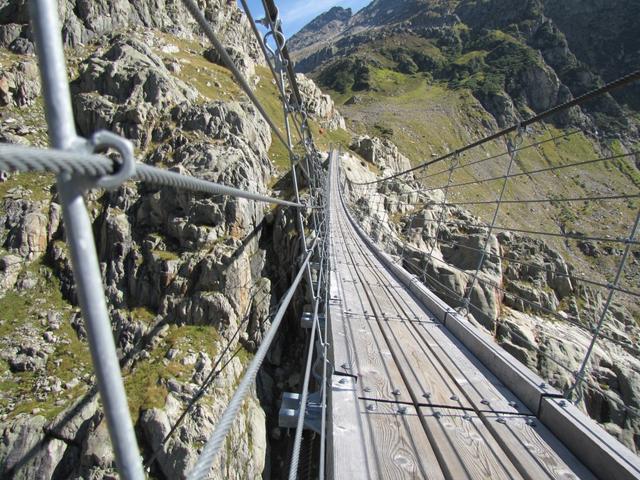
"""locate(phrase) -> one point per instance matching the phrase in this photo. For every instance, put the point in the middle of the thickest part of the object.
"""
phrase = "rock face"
(523, 294)
(189, 278)
(84, 20)
(381, 153)
(322, 106)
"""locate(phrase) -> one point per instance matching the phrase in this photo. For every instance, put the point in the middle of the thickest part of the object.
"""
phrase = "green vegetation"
(68, 361)
(38, 184)
(212, 81)
(165, 255)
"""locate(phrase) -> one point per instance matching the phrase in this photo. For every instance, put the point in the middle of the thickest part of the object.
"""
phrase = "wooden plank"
(429, 382)
(341, 341)
(347, 445)
(464, 445)
(378, 374)
(533, 449)
(396, 444)
(482, 388)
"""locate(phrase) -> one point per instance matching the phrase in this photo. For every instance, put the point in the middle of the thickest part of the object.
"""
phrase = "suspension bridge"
(397, 383)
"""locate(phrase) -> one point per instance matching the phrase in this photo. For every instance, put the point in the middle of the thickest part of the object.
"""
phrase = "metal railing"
(79, 170)
(388, 207)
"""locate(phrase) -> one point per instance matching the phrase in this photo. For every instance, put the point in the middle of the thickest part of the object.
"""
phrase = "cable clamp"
(125, 168)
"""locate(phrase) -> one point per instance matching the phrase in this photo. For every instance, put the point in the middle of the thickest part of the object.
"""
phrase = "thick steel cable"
(616, 84)
(29, 159)
(199, 17)
(493, 157)
(214, 444)
(46, 26)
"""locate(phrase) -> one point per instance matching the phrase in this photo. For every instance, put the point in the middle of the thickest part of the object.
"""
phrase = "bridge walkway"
(408, 399)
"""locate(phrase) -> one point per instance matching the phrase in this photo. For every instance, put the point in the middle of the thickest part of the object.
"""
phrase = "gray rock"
(24, 451)
(10, 267)
(319, 105)
(97, 450)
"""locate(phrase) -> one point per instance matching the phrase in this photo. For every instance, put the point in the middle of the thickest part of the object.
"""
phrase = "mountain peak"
(325, 25)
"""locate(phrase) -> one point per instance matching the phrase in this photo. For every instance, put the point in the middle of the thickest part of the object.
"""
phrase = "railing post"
(62, 135)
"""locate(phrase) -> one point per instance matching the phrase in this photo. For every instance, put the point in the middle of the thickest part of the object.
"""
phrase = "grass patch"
(165, 255)
(69, 360)
(145, 385)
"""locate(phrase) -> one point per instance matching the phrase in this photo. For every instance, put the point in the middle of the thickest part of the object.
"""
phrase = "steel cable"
(29, 159)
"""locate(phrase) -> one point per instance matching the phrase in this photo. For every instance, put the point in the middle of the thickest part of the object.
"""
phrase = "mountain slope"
(516, 57)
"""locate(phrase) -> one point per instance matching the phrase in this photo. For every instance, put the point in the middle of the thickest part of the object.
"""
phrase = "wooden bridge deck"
(408, 399)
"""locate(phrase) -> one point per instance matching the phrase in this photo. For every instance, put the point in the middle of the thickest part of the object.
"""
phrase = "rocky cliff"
(432, 76)
(190, 279)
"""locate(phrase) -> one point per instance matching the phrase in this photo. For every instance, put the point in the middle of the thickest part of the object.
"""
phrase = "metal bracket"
(290, 410)
(306, 320)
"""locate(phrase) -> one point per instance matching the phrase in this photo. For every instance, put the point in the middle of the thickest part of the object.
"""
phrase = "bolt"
(501, 420)
(396, 392)
(345, 366)
(562, 403)
(543, 385)
(531, 423)
(371, 407)
(367, 389)
(466, 416)
(426, 395)
(343, 381)
(513, 404)
(485, 401)
(402, 410)
(454, 398)
(437, 415)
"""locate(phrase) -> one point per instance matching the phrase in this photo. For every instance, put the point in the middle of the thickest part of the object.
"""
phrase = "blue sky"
(296, 14)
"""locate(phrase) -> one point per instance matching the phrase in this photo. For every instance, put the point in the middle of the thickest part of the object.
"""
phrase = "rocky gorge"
(190, 279)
